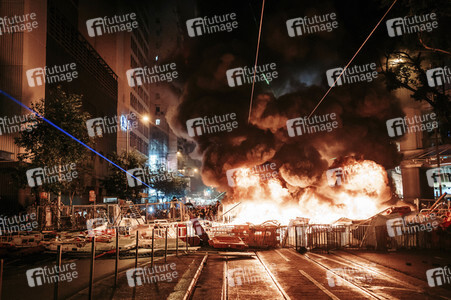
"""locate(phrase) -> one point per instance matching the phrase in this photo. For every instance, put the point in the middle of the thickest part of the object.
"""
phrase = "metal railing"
(329, 237)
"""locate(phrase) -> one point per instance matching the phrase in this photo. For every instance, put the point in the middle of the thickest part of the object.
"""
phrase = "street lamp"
(145, 119)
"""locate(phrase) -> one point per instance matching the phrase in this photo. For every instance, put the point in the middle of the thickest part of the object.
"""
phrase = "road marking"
(183, 283)
(373, 269)
(279, 287)
(319, 285)
(283, 256)
(225, 279)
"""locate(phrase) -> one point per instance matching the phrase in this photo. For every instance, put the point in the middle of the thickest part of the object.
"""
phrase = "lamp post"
(145, 119)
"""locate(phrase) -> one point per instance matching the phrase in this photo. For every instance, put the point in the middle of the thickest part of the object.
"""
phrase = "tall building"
(157, 39)
(124, 50)
(166, 42)
(79, 32)
(18, 52)
(55, 41)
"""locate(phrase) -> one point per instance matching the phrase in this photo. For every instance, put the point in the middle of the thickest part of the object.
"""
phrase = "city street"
(241, 149)
(281, 273)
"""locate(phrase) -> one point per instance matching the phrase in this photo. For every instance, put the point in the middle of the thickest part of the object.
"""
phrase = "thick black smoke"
(361, 108)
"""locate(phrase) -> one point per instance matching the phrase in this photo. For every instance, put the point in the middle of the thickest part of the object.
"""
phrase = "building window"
(157, 122)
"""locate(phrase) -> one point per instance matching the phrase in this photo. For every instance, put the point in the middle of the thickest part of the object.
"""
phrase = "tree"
(116, 183)
(161, 180)
(407, 58)
(169, 184)
(402, 69)
(47, 147)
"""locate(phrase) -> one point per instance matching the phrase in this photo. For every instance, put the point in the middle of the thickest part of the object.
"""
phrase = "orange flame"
(360, 196)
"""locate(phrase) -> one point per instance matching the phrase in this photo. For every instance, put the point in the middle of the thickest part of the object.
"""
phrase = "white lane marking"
(271, 275)
(283, 256)
(319, 285)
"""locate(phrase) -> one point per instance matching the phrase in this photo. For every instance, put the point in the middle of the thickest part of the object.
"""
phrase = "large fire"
(356, 193)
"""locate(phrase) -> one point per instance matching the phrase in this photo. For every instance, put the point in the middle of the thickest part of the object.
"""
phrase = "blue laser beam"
(70, 135)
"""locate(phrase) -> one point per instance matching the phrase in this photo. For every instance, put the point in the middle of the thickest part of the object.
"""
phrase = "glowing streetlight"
(145, 118)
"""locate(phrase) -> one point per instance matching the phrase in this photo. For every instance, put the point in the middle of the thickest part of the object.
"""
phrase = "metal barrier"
(255, 236)
(414, 237)
(75, 217)
(329, 237)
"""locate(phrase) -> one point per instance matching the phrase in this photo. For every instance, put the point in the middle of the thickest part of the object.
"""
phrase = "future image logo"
(15, 124)
(97, 127)
(18, 23)
(436, 175)
(231, 176)
(411, 224)
(263, 172)
(114, 24)
(40, 276)
(135, 277)
(9, 225)
(195, 127)
(92, 224)
(397, 127)
(309, 25)
(355, 275)
(245, 75)
(439, 276)
(35, 77)
(139, 176)
(39, 176)
(54, 74)
(353, 74)
(395, 227)
(438, 76)
(244, 275)
(235, 77)
(154, 74)
(151, 275)
(211, 124)
(411, 24)
(209, 25)
(135, 77)
(335, 176)
(313, 124)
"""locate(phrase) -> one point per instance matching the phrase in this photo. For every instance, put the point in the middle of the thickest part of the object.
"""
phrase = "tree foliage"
(168, 183)
(116, 183)
(406, 58)
(46, 146)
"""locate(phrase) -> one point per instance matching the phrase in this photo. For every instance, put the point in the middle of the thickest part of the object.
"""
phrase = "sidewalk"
(410, 262)
(163, 286)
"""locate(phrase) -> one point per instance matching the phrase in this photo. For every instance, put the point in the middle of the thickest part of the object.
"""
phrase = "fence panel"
(328, 237)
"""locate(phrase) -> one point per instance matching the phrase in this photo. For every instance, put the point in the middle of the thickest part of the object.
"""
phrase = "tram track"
(391, 285)
(229, 286)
